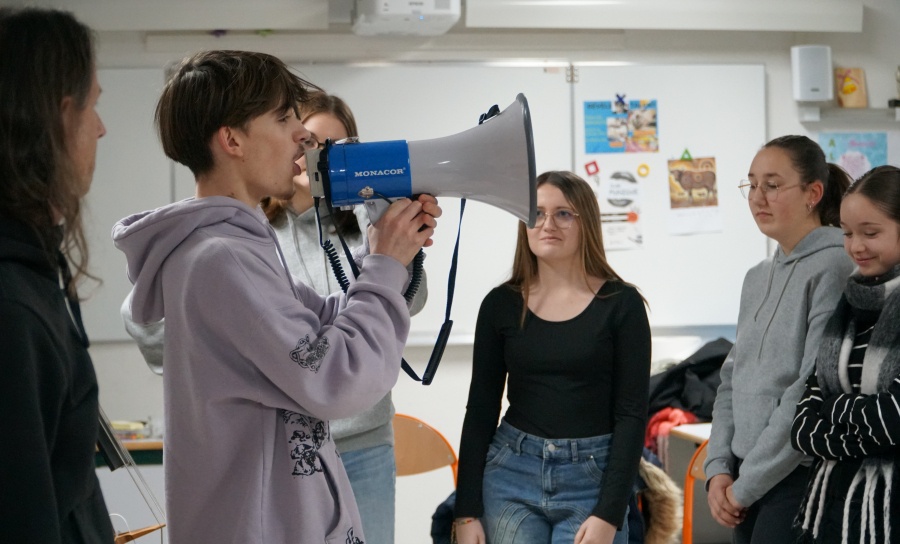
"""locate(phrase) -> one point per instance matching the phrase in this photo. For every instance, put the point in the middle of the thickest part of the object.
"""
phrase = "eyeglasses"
(561, 218)
(769, 189)
(314, 143)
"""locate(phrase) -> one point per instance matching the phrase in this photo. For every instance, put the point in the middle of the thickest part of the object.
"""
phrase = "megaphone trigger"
(376, 207)
(416, 197)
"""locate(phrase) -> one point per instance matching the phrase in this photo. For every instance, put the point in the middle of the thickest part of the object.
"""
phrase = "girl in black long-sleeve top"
(571, 342)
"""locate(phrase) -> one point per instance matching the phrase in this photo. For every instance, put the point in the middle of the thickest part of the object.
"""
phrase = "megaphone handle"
(413, 287)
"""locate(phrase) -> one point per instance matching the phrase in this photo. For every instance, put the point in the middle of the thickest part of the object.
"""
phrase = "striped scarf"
(881, 364)
(882, 358)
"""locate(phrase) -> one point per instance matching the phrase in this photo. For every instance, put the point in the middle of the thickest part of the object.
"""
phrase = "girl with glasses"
(571, 342)
(849, 418)
(755, 480)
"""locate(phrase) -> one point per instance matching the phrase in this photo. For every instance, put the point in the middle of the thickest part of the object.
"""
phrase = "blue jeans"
(373, 474)
(540, 491)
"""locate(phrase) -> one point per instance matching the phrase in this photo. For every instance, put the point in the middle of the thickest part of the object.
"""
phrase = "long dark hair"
(593, 256)
(322, 102)
(809, 161)
(45, 56)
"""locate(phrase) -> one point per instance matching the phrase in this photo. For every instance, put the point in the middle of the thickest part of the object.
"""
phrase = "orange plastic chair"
(419, 447)
(694, 472)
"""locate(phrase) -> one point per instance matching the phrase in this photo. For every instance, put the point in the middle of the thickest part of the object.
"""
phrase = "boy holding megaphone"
(256, 363)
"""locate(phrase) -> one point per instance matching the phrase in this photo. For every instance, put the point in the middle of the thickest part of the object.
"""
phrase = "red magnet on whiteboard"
(592, 168)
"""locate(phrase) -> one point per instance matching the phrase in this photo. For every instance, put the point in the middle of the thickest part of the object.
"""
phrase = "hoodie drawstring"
(777, 302)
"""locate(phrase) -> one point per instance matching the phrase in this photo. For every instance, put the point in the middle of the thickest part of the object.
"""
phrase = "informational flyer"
(693, 196)
(620, 126)
(855, 152)
(619, 198)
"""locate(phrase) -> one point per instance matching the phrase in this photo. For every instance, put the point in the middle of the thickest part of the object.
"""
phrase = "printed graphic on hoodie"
(310, 354)
(307, 434)
(352, 539)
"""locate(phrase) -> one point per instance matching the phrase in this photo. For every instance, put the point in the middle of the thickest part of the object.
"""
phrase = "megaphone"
(492, 162)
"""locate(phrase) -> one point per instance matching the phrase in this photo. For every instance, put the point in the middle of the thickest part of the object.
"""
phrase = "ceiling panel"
(760, 15)
(180, 15)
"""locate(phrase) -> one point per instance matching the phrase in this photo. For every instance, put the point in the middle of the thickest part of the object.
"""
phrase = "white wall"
(129, 391)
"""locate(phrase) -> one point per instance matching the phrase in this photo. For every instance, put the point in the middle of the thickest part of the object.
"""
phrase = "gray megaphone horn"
(492, 162)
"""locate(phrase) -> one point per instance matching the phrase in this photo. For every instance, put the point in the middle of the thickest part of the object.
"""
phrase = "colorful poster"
(692, 183)
(693, 196)
(855, 152)
(620, 126)
(620, 207)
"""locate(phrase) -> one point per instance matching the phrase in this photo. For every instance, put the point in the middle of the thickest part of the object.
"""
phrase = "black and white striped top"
(849, 425)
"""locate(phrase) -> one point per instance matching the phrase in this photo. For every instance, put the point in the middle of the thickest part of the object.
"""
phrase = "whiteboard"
(688, 280)
(713, 112)
(718, 111)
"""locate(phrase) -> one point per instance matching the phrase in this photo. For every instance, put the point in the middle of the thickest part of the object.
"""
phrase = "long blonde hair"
(593, 256)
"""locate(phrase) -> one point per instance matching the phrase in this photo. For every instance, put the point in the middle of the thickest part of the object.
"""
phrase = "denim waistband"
(571, 449)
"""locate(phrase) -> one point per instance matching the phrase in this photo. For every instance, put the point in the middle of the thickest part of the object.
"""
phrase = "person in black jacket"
(49, 413)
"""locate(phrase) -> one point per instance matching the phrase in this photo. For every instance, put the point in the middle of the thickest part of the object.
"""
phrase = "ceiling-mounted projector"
(404, 17)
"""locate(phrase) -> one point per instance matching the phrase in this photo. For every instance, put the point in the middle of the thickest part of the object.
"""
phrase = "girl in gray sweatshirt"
(755, 478)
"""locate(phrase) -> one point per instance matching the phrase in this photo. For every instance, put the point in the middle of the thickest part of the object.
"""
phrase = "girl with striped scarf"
(849, 416)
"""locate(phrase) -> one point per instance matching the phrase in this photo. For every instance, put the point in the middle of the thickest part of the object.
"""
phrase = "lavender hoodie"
(255, 368)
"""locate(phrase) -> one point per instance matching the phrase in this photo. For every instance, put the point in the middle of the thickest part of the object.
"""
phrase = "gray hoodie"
(256, 365)
(785, 303)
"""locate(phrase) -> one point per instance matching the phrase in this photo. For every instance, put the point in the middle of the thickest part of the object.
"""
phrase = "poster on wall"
(620, 126)
(693, 196)
(855, 152)
(619, 197)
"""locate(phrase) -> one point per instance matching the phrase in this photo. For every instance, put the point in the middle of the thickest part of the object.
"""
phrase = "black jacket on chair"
(691, 384)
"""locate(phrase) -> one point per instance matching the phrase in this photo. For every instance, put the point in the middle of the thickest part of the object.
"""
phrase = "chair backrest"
(697, 461)
(419, 447)
(694, 472)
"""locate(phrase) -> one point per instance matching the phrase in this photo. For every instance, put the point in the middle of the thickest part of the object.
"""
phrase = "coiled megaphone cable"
(341, 276)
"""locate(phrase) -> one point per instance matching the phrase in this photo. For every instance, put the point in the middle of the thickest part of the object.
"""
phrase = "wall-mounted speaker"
(812, 73)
